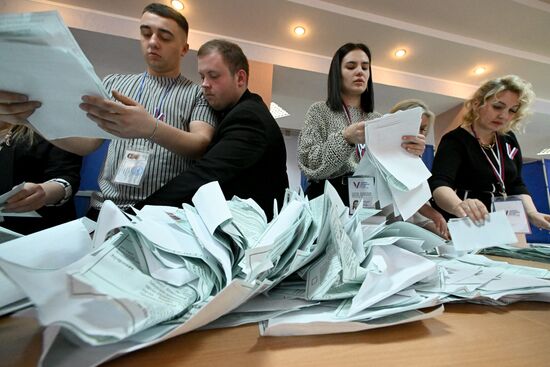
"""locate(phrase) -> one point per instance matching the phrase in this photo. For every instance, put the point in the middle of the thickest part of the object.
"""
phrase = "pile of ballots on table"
(313, 269)
(533, 252)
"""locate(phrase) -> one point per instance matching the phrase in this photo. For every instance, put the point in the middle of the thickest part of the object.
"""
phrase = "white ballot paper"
(287, 326)
(400, 177)
(12, 298)
(41, 59)
(495, 231)
(515, 212)
(384, 138)
(408, 202)
(168, 271)
(5, 197)
(8, 235)
(39, 254)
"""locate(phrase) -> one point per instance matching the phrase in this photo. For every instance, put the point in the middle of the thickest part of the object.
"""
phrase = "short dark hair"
(167, 12)
(334, 92)
(233, 56)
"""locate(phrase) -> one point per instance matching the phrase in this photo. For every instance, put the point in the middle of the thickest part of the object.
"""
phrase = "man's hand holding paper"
(125, 119)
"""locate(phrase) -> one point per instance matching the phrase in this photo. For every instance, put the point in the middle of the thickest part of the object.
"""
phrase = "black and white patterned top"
(322, 150)
(182, 102)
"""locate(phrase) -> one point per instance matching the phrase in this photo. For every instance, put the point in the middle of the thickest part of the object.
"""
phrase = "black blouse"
(460, 164)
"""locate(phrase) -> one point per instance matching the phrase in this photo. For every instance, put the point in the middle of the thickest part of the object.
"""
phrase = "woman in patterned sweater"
(332, 141)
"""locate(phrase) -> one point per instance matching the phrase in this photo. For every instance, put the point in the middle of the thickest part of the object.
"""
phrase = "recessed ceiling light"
(544, 152)
(480, 70)
(178, 5)
(400, 53)
(299, 31)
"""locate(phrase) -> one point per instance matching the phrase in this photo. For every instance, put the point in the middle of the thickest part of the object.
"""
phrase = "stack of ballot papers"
(165, 271)
(475, 278)
(13, 298)
(534, 252)
(400, 177)
(40, 58)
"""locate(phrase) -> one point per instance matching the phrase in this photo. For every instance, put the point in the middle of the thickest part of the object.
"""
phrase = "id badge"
(515, 212)
(132, 168)
(361, 188)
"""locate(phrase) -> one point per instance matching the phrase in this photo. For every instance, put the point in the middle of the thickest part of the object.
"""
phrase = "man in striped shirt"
(163, 118)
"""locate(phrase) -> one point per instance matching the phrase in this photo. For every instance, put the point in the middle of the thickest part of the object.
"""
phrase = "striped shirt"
(180, 101)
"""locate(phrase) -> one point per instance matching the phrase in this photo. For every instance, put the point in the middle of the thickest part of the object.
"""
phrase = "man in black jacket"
(247, 155)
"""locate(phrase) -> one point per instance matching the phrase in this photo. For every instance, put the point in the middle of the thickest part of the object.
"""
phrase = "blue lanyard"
(359, 148)
(140, 90)
(157, 111)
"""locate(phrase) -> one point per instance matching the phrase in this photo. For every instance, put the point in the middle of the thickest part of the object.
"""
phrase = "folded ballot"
(534, 252)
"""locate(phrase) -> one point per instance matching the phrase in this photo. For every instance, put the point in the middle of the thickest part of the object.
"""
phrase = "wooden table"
(465, 335)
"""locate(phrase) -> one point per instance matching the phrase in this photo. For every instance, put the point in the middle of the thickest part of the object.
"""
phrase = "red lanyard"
(499, 157)
(359, 148)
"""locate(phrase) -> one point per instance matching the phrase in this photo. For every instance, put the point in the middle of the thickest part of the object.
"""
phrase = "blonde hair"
(20, 134)
(491, 88)
(407, 104)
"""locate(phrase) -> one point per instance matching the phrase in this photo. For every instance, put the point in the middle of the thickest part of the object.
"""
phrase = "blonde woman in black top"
(481, 159)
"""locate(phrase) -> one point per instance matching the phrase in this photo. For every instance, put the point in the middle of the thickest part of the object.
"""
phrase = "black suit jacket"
(38, 163)
(247, 156)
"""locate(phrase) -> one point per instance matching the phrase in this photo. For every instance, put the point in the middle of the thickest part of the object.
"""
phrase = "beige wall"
(260, 80)
(447, 121)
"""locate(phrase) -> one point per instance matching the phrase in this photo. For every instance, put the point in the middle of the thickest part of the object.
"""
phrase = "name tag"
(361, 188)
(515, 212)
(132, 168)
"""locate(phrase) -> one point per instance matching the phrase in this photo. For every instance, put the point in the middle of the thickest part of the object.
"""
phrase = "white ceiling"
(446, 39)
